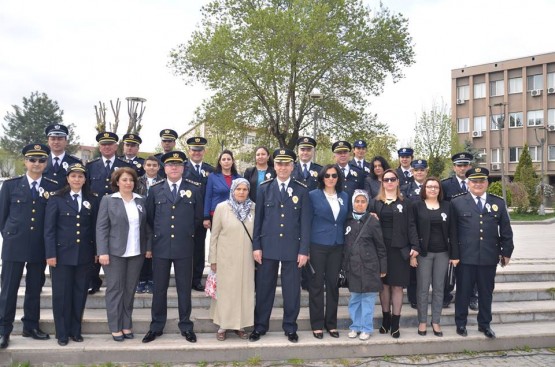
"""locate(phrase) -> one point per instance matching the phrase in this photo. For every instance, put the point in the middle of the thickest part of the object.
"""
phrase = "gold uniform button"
(481, 222)
(107, 180)
(172, 236)
(173, 206)
(32, 228)
(481, 215)
(281, 205)
(173, 216)
(78, 232)
(32, 211)
(78, 216)
(32, 219)
(172, 226)
(481, 238)
(283, 215)
(281, 234)
(78, 225)
(281, 224)
(481, 230)
(78, 240)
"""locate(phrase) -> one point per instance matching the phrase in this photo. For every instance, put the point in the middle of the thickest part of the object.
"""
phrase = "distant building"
(85, 153)
(520, 90)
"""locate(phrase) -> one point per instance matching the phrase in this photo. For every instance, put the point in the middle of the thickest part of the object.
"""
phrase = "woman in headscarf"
(230, 258)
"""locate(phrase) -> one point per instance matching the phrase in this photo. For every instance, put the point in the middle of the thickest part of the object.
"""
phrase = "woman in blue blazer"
(330, 206)
(70, 252)
(219, 184)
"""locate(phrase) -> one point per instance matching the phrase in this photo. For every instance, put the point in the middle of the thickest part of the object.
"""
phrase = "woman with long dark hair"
(373, 182)
(262, 170)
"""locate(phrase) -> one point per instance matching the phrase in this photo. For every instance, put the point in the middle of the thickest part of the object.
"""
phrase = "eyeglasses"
(390, 179)
(35, 160)
(432, 187)
(332, 175)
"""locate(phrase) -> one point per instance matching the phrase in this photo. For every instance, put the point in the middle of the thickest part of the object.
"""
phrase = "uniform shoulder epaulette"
(459, 194)
(92, 161)
(266, 181)
(123, 160)
(494, 195)
(317, 165)
(50, 180)
(300, 183)
(193, 182)
(446, 179)
(208, 164)
(75, 158)
(13, 178)
(158, 155)
(158, 182)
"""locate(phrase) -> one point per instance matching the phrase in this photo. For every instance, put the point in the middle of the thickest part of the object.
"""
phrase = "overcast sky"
(81, 52)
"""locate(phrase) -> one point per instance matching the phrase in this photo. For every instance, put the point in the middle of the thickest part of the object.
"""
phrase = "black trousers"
(183, 270)
(483, 276)
(94, 276)
(146, 271)
(69, 296)
(326, 261)
(12, 272)
(411, 289)
(198, 254)
(266, 281)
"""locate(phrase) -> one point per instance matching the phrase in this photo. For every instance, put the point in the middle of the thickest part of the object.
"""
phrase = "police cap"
(419, 164)
(284, 155)
(477, 173)
(56, 130)
(175, 156)
(197, 143)
(35, 150)
(341, 146)
(107, 137)
(405, 152)
(306, 142)
(76, 167)
(168, 134)
(132, 138)
(462, 158)
(360, 144)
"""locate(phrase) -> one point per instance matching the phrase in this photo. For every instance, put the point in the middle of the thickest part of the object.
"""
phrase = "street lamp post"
(315, 95)
(541, 142)
(500, 123)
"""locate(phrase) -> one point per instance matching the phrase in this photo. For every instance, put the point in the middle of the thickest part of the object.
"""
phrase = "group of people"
(385, 229)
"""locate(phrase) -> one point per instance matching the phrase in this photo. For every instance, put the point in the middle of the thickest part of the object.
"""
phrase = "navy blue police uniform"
(173, 222)
(137, 163)
(483, 235)
(56, 169)
(363, 165)
(309, 174)
(353, 177)
(166, 134)
(22, 212)
(282, 232)
(405, 177)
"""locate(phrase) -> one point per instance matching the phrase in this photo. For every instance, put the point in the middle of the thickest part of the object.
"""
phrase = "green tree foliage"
(26, 124)
(526, 175)
(496, 189)
(263, 59)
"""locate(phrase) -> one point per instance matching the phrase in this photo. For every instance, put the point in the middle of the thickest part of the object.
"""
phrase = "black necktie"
(282, 192)
(198, 168)
(305, 171)
(34, 192)
(463, 186)
(174, 192)
(108, 167)
(479, 204)
(344, 172)
(76, 202)
(406, 174)
(56, 164)
(359, 164)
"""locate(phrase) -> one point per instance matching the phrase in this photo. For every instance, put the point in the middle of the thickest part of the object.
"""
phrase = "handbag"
(451, 278)
(342, 281)
(211, 285)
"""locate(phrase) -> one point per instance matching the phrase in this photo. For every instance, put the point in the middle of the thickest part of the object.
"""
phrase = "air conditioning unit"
(460, 101)
(551, 127)
(550, 90)
(495, 166)
(477, 134)
(536, 92)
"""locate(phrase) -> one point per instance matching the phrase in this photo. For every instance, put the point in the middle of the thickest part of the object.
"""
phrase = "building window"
(535, 82)
(479, 123)
(463, 92)
(535, 153)
(495, 121)
(551, 152)
(480, 90)
(550, 80)
(514, 154)
(463, 125)
(535, 118)
(496, 88)
(515, 85)
(249, 140)
(495, 155)
(551, 116)
(515, 119)
(481, 155)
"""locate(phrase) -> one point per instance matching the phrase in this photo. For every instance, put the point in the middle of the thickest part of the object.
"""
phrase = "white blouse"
(334, 204)
(133, 247)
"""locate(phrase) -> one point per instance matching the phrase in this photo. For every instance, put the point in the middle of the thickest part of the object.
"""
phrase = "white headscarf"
(241, 210)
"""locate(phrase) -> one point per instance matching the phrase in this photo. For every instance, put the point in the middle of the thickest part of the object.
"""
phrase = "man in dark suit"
(131, 146)
(305, 170)
(353, 177)
(23, 202)
(196, 170)
(481, 227)
(167, 141)
(282, 225)
(99, 172)
(453, 186)
(58, 159)
(174, 208)
(406, 155)
(359, 150)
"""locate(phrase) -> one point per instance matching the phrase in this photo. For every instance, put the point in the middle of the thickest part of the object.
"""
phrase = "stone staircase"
(523, 316)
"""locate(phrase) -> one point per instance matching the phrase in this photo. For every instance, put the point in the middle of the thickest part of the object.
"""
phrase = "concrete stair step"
(514, 291)
(172, 348)
(94, 320)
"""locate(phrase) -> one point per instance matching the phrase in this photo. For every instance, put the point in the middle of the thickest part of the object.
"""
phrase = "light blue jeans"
(361, 310)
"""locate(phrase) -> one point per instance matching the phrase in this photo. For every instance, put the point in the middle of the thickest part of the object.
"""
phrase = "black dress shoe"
(422, 333)
(319, 335)
(436, 333)
(461, 330)
(151, 335)
(93, 290)
(334, 333)
(255, 336)
(292, 337)
(128, 335)
(62, 342)
(190, 336)
(413, 305)
(487, 332)
(198, 287)
(37, 334)
(4, 341)
(473, 304)
(118, 338)
(77, 338)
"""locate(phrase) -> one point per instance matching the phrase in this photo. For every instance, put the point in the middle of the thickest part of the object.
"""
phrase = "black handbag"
(451, 278)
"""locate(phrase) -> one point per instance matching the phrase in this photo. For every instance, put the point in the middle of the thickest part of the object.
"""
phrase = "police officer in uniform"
(131, 146)
(359, 150)
(353, 177)
(419, 172)
(58, 159)
(167, 141)
(282, 226)
(453, 186)
(480, 225)
(196, 170)
(23, 202)
(99, 172)
(305, 170)
(174, 210)
(406, 155)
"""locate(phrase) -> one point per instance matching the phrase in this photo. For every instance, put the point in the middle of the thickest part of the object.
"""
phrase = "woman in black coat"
(373, 181)
(69, 230)
(365, 263)
(262, 171)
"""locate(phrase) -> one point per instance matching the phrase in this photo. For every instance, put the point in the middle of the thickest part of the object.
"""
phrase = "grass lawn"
(531, 217)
